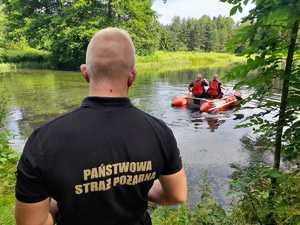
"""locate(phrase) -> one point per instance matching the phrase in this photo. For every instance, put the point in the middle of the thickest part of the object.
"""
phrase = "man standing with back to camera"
(105, 160)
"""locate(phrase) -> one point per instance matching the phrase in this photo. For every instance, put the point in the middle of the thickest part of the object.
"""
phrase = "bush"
(259, 197)
(23, 55)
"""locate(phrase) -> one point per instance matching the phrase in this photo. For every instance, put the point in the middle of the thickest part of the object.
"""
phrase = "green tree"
(270, 32)
(209, 34)
(204, 34)
(192, 37)
(140, 21)
(177, 32)
(272, 35)
(225, 27)
(65, 27)
(167, 39)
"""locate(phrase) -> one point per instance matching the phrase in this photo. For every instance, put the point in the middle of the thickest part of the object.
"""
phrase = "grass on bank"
(7, 67)
(23, 55)
(8, 160)
(163, 62)
(206, 212)
(13, 59)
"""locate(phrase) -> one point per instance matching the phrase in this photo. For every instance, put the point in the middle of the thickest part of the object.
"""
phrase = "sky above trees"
(194, 9)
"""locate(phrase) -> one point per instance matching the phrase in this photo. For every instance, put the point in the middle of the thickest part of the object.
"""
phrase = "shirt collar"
(95, 101)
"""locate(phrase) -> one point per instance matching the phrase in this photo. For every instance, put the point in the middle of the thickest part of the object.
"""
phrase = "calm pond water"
(208, 142)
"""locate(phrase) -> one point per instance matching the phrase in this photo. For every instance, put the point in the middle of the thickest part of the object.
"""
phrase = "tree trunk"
(284, 94)
(282, 116)
(60, 6)
(109, 10)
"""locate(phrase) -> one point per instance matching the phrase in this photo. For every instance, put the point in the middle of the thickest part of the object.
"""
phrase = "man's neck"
(108, 90)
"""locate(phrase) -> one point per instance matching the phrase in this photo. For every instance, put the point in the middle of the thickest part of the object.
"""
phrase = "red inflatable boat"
(208, 105)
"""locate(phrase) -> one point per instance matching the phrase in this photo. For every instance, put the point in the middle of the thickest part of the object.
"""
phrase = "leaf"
(273, 174)
(246, 2)
(3, 160)
(234, 10)
(240, 8)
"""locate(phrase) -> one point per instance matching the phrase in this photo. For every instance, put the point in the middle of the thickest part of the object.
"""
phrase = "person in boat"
(103, 161)
(197, 87)
(215, 88)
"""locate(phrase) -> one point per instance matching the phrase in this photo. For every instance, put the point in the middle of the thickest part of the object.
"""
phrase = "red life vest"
(198, 88)
(213, 88)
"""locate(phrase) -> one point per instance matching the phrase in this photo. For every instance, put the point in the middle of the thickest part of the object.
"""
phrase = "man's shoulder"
(60, 121)
(67, 122)
(47, 132)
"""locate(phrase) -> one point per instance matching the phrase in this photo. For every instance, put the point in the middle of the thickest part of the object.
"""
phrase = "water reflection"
(213, 121)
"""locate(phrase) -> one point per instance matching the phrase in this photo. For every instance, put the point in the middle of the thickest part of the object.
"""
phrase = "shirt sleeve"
(30, 185)
(173, 162)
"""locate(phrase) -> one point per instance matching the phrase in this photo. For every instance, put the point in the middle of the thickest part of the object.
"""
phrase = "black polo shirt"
(98, 162)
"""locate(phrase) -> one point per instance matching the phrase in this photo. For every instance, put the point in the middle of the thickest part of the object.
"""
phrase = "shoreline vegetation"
(8, 161)
(166, 62)
(12, 60)
(157, 63)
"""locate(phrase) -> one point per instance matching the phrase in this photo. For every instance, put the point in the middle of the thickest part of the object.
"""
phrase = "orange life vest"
(198, 88)
(213, 88)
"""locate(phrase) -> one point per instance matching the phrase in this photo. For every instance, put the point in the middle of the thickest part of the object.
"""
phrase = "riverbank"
(13, 59)
(156, 63)
(8, 161)
(165, 62)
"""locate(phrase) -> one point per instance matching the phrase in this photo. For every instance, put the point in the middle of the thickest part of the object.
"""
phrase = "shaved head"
(110, 55)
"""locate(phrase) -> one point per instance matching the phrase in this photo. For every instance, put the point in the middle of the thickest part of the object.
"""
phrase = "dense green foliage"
(252, 187)
(203, 34)
(265, 56)
(65, 27)
(267, 195)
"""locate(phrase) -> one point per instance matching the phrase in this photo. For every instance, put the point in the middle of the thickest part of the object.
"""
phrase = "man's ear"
(84, 71)
(131, 77)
